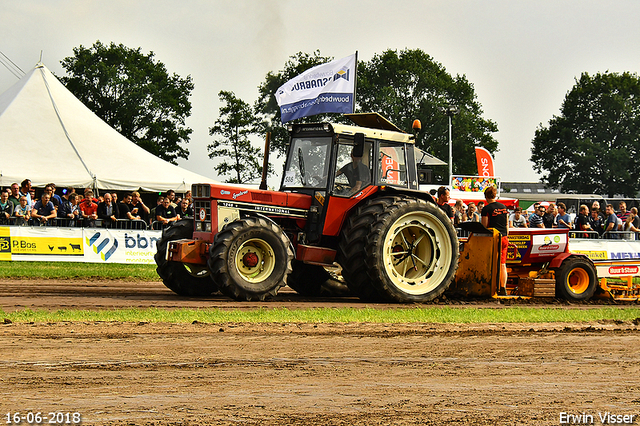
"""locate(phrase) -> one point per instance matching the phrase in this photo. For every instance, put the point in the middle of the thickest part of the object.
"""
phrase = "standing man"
(494, 215)
(185, 209)
(125, 206)
(165, 212)
(536, 219)
(624, 213)
(25, 189)
(14, 197)
(563, 220)
(88, 209)
(172, 198)
(595, 220)
(517, 220)
(443, 202)
(6, 208)
(550, 217)
(108, 211)
(582, 220)
(138, 210)
(612, 220)
(43, 210)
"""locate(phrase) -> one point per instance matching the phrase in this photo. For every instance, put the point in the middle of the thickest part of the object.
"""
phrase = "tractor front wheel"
(250, 259)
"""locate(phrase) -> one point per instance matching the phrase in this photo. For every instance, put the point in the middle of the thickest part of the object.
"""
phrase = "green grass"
(69, 270)
(329, 315)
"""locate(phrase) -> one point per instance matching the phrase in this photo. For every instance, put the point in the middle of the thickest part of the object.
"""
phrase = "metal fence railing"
(80, 223)
(609, 235)
(593, 235)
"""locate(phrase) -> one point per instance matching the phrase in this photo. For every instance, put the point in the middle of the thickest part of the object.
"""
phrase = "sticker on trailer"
(518, 247)
(624, 270)
(548, 244)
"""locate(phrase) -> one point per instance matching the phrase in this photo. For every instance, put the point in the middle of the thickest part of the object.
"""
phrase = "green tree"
(135, 94)
(593, 146)
(409, 84)
(267, 106)
(236, 123)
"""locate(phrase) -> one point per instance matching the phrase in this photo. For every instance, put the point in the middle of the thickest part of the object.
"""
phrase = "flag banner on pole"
(324, 88)
(485, 162)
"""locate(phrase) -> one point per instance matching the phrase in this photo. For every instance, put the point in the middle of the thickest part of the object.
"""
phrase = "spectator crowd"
(591, 220)
(19, 205)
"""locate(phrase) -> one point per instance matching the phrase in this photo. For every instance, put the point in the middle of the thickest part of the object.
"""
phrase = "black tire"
(576, 279)
(352, 249)
(365, 251)
(183, 279)
(306, 279)
(250, 259)
(412, 251)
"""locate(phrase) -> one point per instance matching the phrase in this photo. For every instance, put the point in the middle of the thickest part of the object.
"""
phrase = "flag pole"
(355, 84)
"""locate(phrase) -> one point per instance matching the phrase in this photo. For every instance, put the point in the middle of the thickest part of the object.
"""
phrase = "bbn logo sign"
(99, 246)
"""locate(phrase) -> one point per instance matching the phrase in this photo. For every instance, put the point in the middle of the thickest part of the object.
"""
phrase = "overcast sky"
(521, 56)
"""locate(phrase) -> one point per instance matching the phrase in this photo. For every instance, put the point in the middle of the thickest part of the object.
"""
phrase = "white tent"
(48, 135)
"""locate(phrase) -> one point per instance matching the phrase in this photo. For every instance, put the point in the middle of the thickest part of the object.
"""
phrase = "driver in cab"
(356, 172)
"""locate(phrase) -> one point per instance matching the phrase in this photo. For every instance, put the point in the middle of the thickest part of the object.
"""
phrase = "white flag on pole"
(324, 88)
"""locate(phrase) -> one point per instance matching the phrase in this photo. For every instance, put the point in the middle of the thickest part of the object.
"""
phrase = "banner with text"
(485, 162)
(97, 245)
(324, 88)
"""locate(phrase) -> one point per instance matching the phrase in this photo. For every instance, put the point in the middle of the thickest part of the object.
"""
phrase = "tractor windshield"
(307, 165)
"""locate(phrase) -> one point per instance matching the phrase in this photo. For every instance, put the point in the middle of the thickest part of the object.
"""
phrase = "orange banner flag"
(485, 162)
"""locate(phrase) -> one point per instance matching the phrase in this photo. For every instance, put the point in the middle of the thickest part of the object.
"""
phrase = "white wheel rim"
(414, 258)
(255, 260)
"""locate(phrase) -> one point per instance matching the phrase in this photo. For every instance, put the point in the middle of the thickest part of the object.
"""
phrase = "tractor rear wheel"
(576, 279)
(182, 278)
(352, 248)
(412, 251)
(250, 259)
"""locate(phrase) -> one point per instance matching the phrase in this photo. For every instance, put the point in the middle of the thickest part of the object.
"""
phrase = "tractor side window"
(352, 173)
(393, 166)
(307, 165)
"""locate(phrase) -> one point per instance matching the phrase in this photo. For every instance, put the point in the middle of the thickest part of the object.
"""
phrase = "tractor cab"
(341, 165)
(341, 160)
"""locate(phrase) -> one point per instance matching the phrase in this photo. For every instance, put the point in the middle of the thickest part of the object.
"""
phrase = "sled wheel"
(412, 252)
(182, 278)
(576, 279)
(250, 259)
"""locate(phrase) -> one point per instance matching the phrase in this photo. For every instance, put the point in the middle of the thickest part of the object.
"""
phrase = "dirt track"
(284, 374)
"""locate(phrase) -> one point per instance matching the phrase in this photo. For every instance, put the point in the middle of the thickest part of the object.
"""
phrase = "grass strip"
(70, 270)
(330, 315)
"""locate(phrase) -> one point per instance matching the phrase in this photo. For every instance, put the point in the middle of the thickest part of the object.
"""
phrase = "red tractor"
(349, 195)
